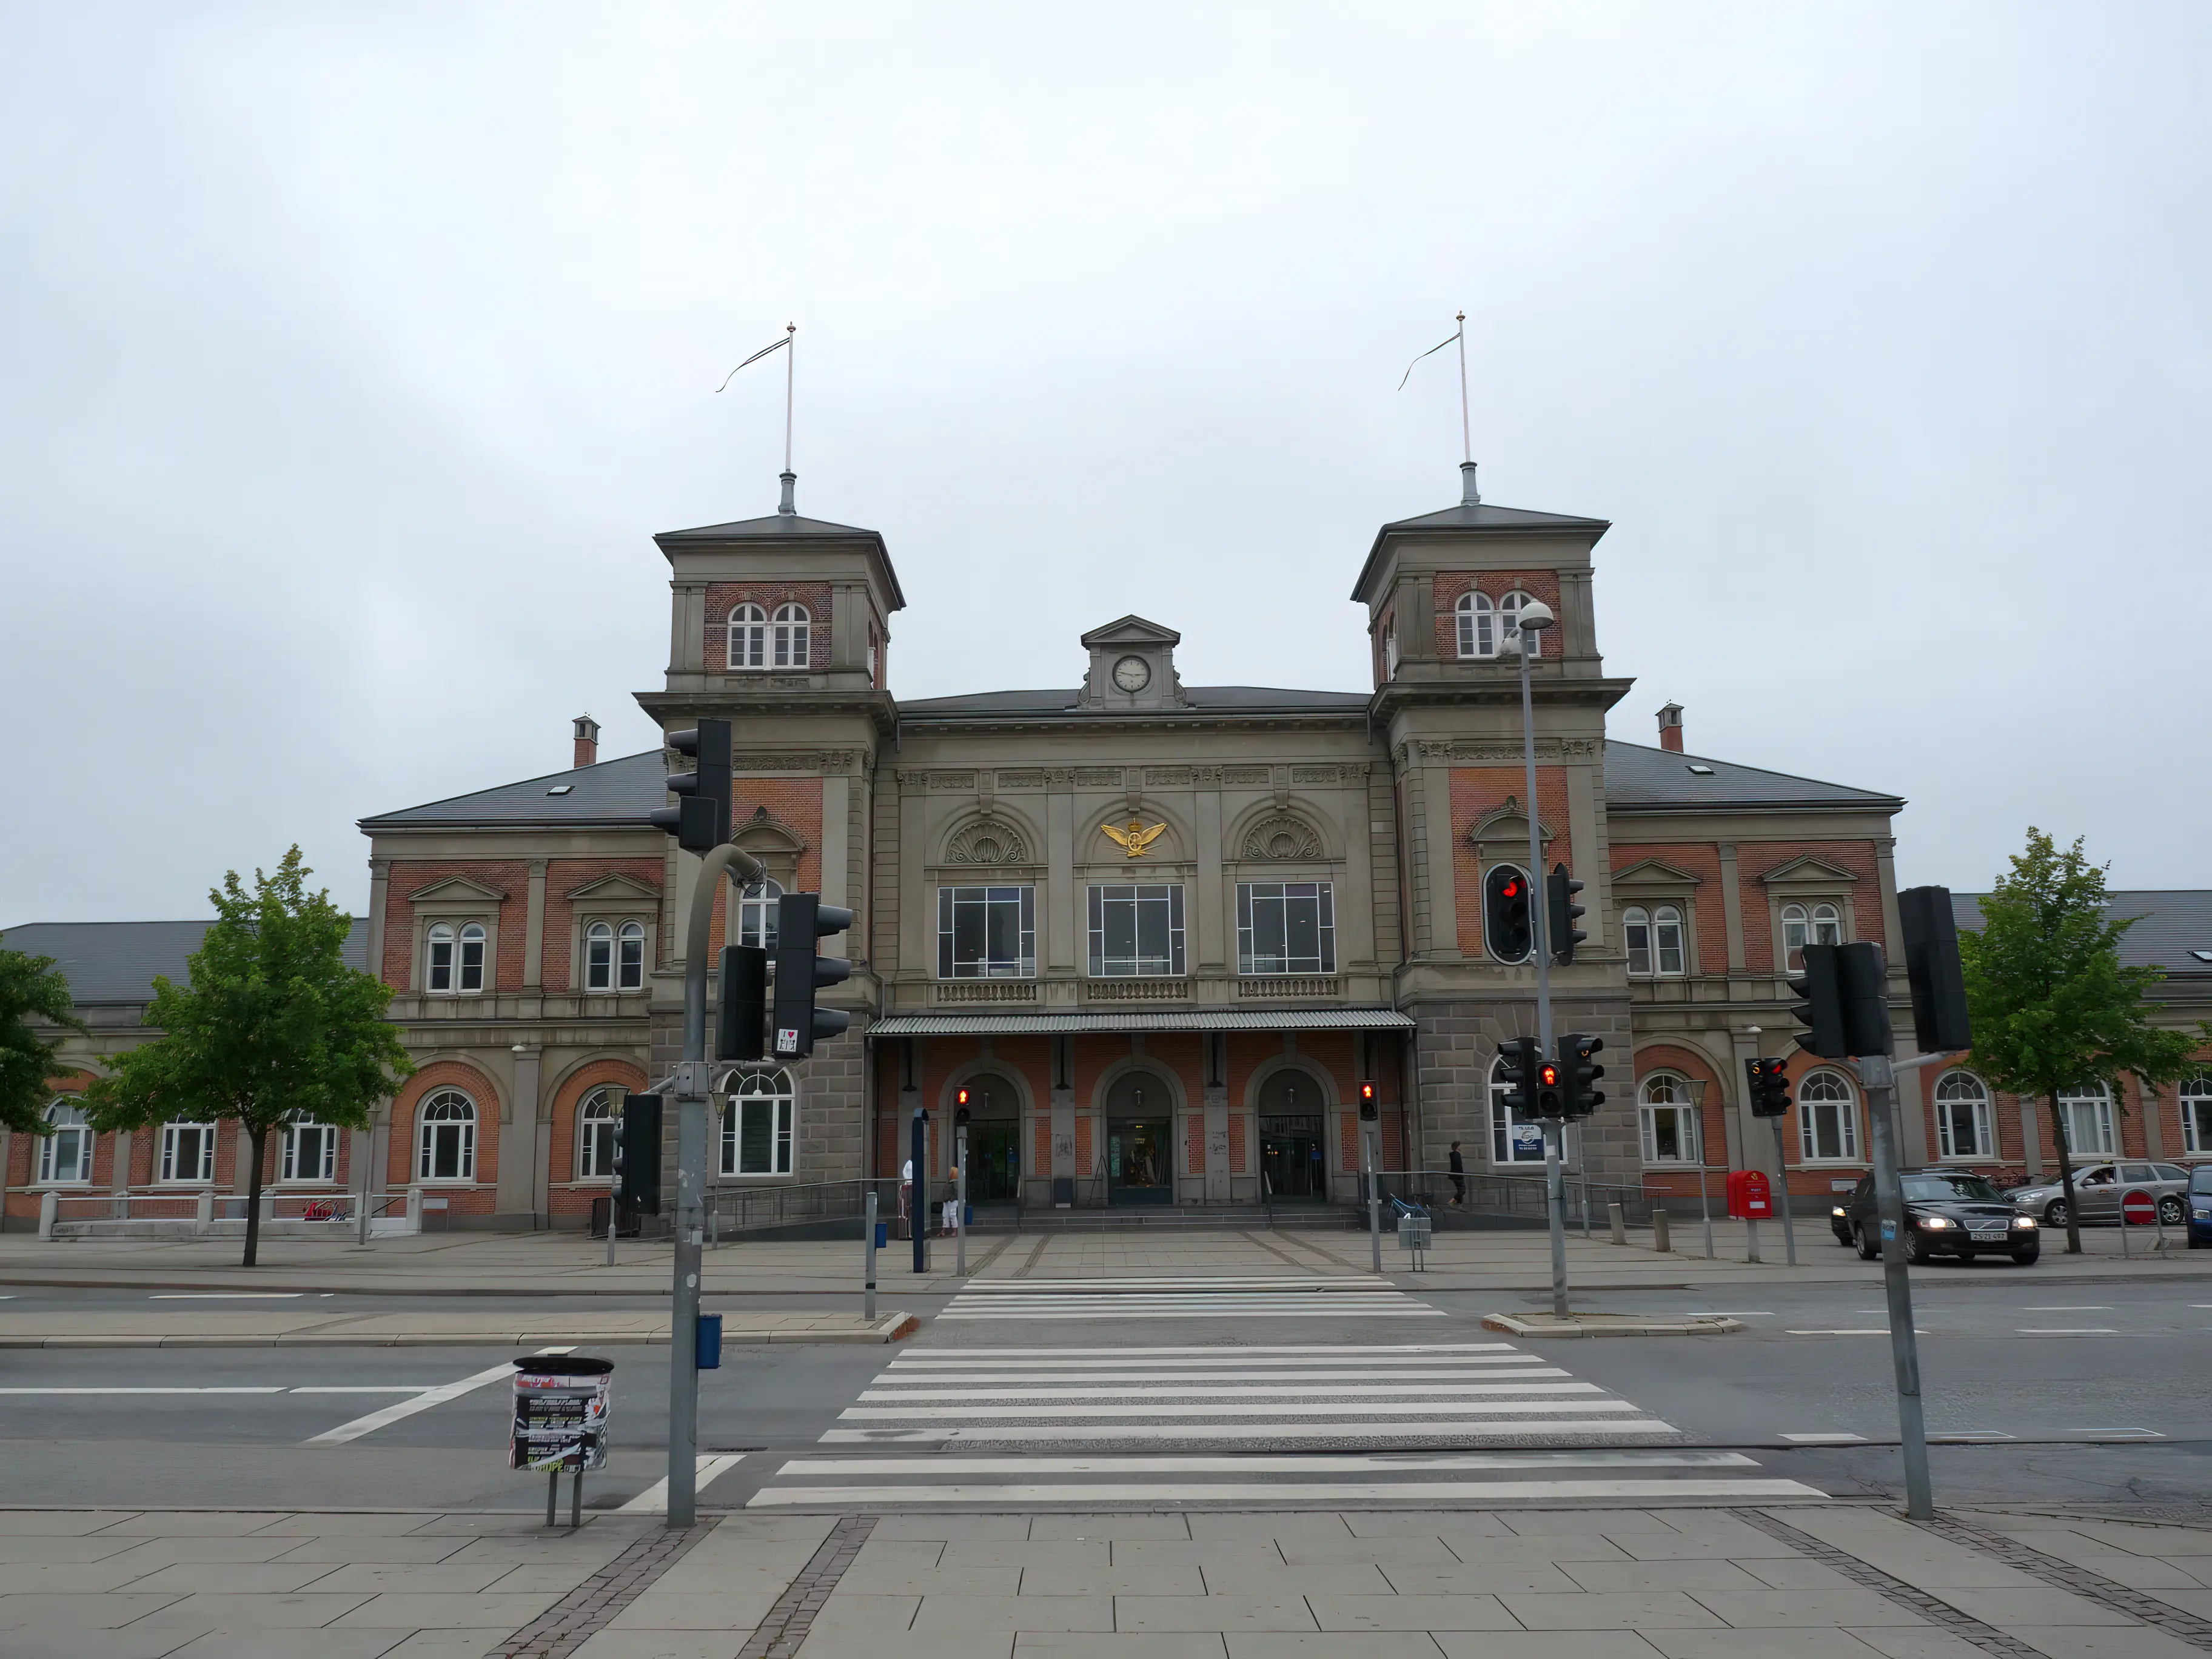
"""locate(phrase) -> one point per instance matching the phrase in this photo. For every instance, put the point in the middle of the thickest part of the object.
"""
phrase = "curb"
(1604, 1325)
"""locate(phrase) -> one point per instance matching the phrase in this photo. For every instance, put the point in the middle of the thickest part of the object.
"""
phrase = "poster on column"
(561, 1411)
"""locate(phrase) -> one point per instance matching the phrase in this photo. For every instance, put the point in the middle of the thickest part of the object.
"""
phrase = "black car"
(1839, 1213)
(1947, 1213)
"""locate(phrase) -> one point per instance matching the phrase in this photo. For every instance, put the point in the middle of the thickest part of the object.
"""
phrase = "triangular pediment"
(456, 889)
(1131, 630)
(1810, 870)
(1654, 872)
(616, 886)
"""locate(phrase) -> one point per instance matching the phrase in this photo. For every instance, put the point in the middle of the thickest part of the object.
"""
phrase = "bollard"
(415, 1212)
(868, 1296)
(1660, 1241)
(1618, 1219)
(203, 1216)
(50, 1206)
(1750, 1239)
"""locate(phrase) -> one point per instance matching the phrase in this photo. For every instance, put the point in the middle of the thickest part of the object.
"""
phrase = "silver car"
(2098, 1187)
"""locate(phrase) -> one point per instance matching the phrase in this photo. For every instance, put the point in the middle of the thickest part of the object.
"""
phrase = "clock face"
(1133, 674)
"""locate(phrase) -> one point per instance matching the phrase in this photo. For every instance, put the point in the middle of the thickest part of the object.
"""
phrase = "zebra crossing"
(1286, 1296)
(1414, 1423)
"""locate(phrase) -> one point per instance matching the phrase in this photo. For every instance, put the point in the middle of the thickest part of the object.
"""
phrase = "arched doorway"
(1139, 1140)
(995, 1138)
(1293, 1141)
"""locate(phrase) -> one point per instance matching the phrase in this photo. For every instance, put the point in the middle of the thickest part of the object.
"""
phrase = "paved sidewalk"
(314, 1326)
(568, 1264)
(1821, 1581)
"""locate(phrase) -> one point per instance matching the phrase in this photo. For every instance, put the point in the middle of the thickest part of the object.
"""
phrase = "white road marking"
(1409, 1462)
(1303, 1408)
(654, 1498)
(1825, 1439)
(1301, 1491)
(1056, 1378)
(1270, 1393)
(367, 1388)
(1223, 1351)
(1500, 1429)
(387, 1415)
(2067, 1306)
(276, 1388)
(1871, 1330)
(1974, 1434)
(2065, 1330)
(224, 1296)
(1732, 1313)
(2132, 1434)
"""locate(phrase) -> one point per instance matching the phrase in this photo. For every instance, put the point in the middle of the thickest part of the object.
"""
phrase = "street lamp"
(1698, 1086)
(1534, 616)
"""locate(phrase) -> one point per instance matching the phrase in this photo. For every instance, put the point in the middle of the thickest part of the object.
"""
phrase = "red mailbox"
(1748, 1199)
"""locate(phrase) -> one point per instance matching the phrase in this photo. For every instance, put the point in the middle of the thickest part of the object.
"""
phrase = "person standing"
(1458, 1178)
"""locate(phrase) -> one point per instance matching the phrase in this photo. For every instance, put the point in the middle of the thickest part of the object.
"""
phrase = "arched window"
(790, 632)
(1513, 1139)
(445, 1142)
(629, 957)
(65, 1156)
(1670, 1123)
(1828, 1119)
(1478, 624)
(2087, 1108)
(1823, 924)
(187, 1153)
(759, 1126)
(1654, 939)
(1509, 622)
(310, 1151)
(756, 914)
(439, 968)
(614, 959)
(748, 637)
(1962, 1117)
(595, 1134)
(2195, 1114)
(1636, 931)
(457, 957)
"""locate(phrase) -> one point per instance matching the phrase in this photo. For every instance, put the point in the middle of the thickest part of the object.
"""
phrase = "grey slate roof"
(1659, 779)
(771, 526)
(2175, 920)
(1484, 519)
(112, 963)
(616, 794)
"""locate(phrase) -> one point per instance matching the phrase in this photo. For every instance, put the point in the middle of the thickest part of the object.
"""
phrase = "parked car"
(1947, 1213)
(2098, 1187)
(1839, 1213)
(2200, 1207)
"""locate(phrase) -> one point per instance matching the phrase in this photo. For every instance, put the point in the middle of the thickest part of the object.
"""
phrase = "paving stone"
(1795, 1573)
(1204, 1551)
(1794, 1609)
(395, 1552)
(1152, 1578)
(238, 1578)
(1552, 1644)
(1275, 1579)
(245, 1611)
(942, 1527)
(1544, 1523)
(286, 1643)
(140, 1641)
(60, 1523)
(1434, 1523)
(78, 1577)
(2040, 1604)
(1216, 1524)
(1020, 1553)
(436, 1610)
(2116, 1642)
(445, 1645)
(1212, 1613)
(1608, 1575)
(1402, 1550)
(1331, 1644)
(1903, 1641)
(901, 1644)
(200, 1524)
(856, 1611)
(1110, 1526)
(1560, 1548)
(1697, 1547)
(943, 1581)
(947, 1614)
(659, 1610)
(1118, 1644)
(1759, 1645)
(32, 1611)
(1639, 1610)
(148, 1553)
(1411, 1612)
(658, 1644)
(1489, 1578)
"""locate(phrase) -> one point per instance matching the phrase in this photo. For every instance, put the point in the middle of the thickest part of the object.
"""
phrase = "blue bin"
(709, 1346)
(883, 1234)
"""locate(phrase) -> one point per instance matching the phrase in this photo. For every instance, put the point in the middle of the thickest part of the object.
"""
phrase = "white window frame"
(1819, 923)
(1390, 649)
(1158, 901)
(1843, 1109)
(748, 637)
(1957, 1088)
(756, 914)
(2197, 1114)
(2097, 1100)
(1668, 1093)
(1509, 623)
(1655, 937)
(67, 1120)
(951, 901)
(614, 956)
(790, 637)
(1476, 616)
(1252, 895)
(1504, 1121)
(453, 961)
(174, 1134)
(598, 1114)
(448, 1114)
(287, 1157)
(769, 1099)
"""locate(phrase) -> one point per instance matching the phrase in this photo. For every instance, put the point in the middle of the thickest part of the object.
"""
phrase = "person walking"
(1458, 1178)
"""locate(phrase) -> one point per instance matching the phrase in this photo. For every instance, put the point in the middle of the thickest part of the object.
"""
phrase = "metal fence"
(1486, 1198)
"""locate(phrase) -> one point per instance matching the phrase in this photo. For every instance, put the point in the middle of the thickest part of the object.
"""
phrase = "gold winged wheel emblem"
(1135, 840)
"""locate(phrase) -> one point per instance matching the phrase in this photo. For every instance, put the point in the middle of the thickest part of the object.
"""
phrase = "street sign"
(2138, 1208)
(561, 1405)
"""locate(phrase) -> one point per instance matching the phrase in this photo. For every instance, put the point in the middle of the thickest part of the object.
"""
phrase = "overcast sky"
(349, 356)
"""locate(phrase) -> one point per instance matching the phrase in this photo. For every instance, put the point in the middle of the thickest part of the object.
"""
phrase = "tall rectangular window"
(188, 1151)
(1285, 928)
(311, 1152)
(986, 932)
(1136, 929)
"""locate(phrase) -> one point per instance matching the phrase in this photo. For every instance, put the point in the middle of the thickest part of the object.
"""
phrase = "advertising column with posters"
(560, 1410)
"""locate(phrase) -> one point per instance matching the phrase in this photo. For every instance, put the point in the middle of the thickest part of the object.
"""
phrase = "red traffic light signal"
(1547, 1076)
(1369, 1108)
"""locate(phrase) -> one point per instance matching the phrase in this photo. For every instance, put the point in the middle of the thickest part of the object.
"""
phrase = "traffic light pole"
(693, 1081)
(1782, 1170)
(1878, 1076)
(1555, 1129)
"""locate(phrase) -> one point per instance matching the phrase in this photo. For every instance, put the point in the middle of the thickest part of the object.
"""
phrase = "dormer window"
(789, 636)
(1478, 624)
(748, 637)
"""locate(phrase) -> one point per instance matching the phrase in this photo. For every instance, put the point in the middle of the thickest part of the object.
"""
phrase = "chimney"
(587, 741)
(1670, 729)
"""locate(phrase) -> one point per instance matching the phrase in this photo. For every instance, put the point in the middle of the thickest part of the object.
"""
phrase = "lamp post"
(1697, 1118)
(1534, 617)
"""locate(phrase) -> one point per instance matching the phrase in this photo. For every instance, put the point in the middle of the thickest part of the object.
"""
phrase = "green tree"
(273, 1025)
(30, 989)
(2053, 1008)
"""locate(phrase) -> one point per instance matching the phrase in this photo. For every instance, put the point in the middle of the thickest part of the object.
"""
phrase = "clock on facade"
(1133, 673)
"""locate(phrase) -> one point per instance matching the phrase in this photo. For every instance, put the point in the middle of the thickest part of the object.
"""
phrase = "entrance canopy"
(1283, 1019)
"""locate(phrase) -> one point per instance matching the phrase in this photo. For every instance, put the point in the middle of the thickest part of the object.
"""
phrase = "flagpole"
(1466, 430)
(791, 334)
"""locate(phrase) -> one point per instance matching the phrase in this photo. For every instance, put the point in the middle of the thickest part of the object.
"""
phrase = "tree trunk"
(2066, 1177)
(259, 1135)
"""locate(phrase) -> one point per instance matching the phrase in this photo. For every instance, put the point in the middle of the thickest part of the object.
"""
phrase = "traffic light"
(741, 1014)
(802, 918)
(1583, 1096)
(960, 1114)
(1770, 1086)
(1517, 1059)
(1931, 962)
(1506, 924)
(1550, 1090)
(637, 1156)
(1863, 978)
(1820, 1009)
(1369, 1110)
(1559, 913)
(700, 820)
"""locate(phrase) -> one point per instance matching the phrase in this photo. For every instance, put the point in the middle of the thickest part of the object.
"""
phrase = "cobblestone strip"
(2182, 1625)
(1987, 1638)
(584, 1611)
(792, 1615)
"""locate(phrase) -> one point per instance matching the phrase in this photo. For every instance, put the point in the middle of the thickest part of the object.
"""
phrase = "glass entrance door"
(1291, 1155)
(1138, 1170)
(995, 1161)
